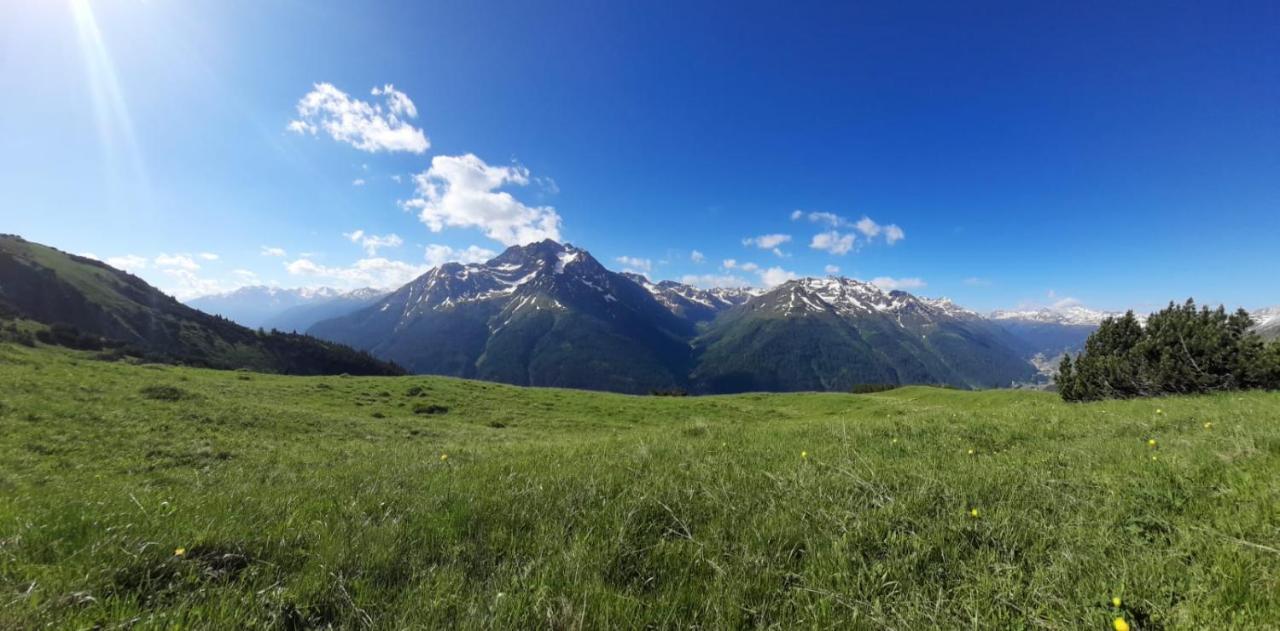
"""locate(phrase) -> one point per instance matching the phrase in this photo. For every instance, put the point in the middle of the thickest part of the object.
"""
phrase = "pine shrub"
(1180, 350)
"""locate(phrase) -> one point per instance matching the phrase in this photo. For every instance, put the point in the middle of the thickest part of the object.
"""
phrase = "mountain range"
(260, 306)
(551, 314)
(543, 314)
(91, 304)
(833, 333)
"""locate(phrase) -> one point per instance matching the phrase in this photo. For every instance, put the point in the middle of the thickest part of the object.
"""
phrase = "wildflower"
(1155, 458)
(894, 441)
(1208, 424)
(179, 551)
(444, 457)
(1119, 624)
(1115, 601)
(971, 452)
(1151, 442)
(804, 455)
(1159, 411)
(973, 512)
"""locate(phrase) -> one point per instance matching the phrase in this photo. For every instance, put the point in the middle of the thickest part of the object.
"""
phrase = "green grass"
(313, 502)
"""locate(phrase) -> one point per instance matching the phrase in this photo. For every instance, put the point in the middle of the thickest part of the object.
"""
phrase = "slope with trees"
(90, 305)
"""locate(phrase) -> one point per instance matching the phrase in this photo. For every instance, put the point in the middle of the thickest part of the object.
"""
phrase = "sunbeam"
(119, 145)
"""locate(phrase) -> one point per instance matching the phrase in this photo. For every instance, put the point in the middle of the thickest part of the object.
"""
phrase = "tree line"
(1181, 349)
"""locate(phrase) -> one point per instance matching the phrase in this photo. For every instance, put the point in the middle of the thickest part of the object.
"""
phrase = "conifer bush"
(1181, 349)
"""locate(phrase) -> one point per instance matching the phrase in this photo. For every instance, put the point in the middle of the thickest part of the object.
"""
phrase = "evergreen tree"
(1181, 350)
(1066, 379)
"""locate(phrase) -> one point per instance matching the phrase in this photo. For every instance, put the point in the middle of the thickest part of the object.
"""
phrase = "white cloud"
(270, 251)
(867, 226)
(697, 257)
(830, 219)
(397, 178)
(372, 242)
(708, 281)
(549, 186)
(767, 241)
(832, 242)
(889, 284)
(128, 262)
(177, 261)
(831, 270)
(244, 275)
(635, 265)
(460, 191)
(371, 272)
(796, 215)
(176, 273)
(397, 101)
(977, 282)
(438, 254)
(775, 276)
(365, 126)
(765, 277)
(184, 284)
(358, 182)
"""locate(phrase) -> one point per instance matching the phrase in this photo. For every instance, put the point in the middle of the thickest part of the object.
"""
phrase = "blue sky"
(1028, 154)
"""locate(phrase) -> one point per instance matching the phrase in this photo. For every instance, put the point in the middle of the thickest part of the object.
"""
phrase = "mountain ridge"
(93, 302)
(505, 320)
(539, 314)
(282, 308)
(833, 333)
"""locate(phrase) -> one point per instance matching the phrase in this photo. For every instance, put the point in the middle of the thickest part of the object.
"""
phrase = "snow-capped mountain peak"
(1267, 317)
(537, 276)
(850, 297)
(691, 302)
(1073, 315)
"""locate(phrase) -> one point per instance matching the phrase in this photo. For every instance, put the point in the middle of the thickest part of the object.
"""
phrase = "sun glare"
(115, 127)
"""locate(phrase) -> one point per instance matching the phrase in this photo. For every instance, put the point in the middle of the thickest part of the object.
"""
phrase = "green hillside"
(95, 305)
(162, 497)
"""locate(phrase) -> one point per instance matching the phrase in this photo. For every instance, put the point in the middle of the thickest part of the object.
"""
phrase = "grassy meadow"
(163, 497)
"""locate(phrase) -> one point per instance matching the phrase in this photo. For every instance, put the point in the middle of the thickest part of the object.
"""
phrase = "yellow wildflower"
(971, 452)
(804, 454)
(1159, 411)
(1208, 424)
(1151, 442)
(444, 457)
(1119, 624)
(179, 552)
(973, 512)
(1115, 601)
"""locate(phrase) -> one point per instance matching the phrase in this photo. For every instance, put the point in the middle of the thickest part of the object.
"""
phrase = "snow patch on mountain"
(1074, 315)
(1267, 317)
(692, 302)
(851, 297)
